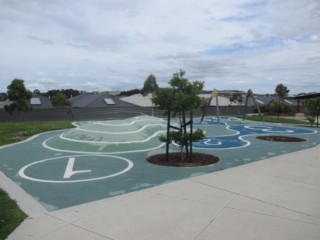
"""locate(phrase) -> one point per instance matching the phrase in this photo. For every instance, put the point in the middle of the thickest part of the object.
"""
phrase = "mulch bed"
(281, 139)
(174, 160)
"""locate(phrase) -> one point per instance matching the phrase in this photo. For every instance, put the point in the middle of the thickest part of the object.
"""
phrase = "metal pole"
(218, 113)
(152, 112)
(257, 106)
(215, 94)
(245, 107)
(206, 109)
(318, 116)
(318, 109)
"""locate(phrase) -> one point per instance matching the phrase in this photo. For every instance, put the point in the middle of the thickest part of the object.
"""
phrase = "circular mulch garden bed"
(174, 160)
(281, 139)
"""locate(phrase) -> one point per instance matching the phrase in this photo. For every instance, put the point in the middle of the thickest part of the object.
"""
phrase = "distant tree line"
(69, 93)
(20, 97)
(277, 107)
(130, 92)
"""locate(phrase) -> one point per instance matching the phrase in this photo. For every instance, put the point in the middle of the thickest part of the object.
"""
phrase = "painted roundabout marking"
(69, 169)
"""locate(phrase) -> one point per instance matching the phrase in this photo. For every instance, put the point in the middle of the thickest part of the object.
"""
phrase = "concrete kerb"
(245, 202)
(26, 202)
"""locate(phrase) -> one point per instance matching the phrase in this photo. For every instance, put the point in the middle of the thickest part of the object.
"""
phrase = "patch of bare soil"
(174, 160)
(281, 138)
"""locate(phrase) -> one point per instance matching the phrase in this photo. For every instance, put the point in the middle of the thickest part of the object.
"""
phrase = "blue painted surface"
(237, 140)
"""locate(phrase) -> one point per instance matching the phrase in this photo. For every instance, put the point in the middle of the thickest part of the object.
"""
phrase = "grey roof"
(139, 100)
(43, 100)
(37, 101)
(265, 100)
(308, 95)
(97, 100)
(83, 100)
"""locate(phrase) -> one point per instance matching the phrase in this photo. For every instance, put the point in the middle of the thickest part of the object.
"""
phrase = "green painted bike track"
(102, 159)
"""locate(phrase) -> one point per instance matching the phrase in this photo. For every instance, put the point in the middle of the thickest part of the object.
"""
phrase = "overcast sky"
(103, 45)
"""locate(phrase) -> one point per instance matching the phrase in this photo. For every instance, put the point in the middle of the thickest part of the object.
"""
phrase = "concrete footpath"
(276, 198)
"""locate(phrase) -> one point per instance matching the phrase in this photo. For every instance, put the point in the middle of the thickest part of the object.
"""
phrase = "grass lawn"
(10, 214)
(275, 119)
(12, 132)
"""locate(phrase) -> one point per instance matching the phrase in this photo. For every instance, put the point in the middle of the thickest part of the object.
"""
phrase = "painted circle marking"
(23, 175)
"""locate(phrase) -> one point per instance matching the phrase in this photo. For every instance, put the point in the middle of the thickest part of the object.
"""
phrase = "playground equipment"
(214, 94)
(250, 95)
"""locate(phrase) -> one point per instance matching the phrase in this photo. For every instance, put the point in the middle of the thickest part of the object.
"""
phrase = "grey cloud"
(254, 4)
(125, 45)
(98, 41)
(178, 55)
(111, 70)
(239, 18)
(45, 15)
(42, 40)
(173, 37)
(294, 18)
(314, 83)
(77, 45)
(43, 84)
(315, 60)
(198, 66)
(206, 67)
(121, 5)
(203, 68)
(109, 84)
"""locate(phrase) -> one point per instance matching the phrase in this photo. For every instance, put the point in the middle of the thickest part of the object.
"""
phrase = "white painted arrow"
(69, 169)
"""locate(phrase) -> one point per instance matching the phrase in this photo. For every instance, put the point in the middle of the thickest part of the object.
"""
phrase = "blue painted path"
(240, 131)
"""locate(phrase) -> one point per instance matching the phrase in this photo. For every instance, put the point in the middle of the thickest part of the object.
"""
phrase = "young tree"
(150, 85)
(19, 97)
(236, 98)
(313, 107)
(282, 91)
(60, 100)
(182, 97)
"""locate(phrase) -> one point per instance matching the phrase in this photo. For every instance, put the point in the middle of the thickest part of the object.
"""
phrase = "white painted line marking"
(25, 176)
(130, 123)
(117, 133)
(69, 169)
(106, 142)
(45, 145)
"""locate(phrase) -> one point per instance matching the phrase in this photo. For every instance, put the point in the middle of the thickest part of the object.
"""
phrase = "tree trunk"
(185, 132)
(190, 139)
(168, 130)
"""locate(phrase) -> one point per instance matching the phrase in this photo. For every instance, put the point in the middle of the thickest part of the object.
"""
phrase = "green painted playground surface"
(100, 159)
